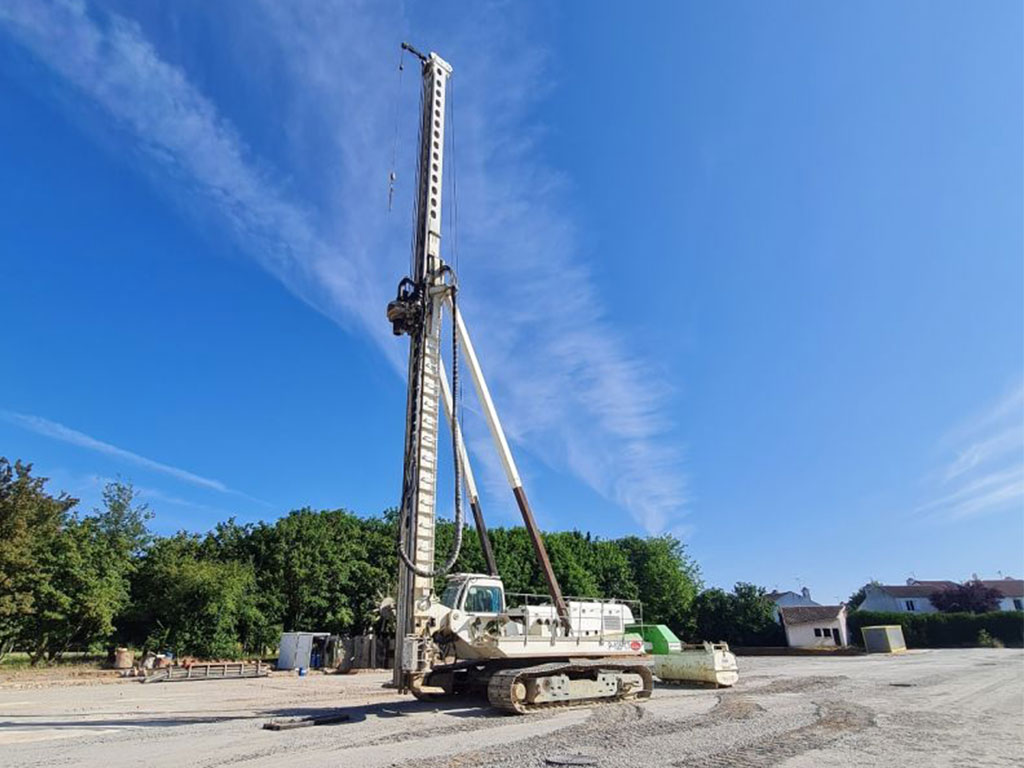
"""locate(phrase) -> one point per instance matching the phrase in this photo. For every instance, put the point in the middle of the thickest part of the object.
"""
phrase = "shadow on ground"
(463, 707)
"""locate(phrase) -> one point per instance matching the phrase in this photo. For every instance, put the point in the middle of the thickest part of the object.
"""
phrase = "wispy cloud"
(106, 57)
(92, 484)
(65, 434)
(88, 489)
(567, 384)
(151, 496)
(986, 474)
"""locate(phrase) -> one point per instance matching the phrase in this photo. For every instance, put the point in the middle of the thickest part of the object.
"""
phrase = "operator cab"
(474, 593)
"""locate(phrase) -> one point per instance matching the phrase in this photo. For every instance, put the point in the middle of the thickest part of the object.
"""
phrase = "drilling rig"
(527, 656)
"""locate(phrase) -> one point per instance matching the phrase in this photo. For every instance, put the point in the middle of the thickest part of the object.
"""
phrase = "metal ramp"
(231, 670)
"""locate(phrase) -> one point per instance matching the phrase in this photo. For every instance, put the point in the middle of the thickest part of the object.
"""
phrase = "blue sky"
(749, 275)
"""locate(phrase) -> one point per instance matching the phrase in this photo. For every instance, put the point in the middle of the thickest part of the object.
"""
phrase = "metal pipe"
(511, 472)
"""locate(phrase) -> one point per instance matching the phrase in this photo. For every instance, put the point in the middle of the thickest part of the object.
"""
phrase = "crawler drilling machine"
(525, 656)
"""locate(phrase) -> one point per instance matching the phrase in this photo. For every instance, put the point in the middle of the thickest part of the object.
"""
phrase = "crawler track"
(501, 687)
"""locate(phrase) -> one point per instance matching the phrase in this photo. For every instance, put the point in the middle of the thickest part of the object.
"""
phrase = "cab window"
(483, 600)
(451, 594)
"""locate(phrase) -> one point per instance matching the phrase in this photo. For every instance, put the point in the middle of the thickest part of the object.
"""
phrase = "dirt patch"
(800, 684)
(24, 678)
(834, 719)
(734, 706)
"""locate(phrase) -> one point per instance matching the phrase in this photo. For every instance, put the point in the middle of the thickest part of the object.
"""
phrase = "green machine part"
(659, 639)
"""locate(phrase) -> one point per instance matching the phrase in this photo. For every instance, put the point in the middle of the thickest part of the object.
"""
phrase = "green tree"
(667, 580)
(516, 561)
(196, 605)
(754, 616)
(68, 580)
(715, 618)
(30, 521)
(376, 576)
(612, 571)
(85, 576)
(120, 526)
(310, 565)
(573, 561)
(745, 616)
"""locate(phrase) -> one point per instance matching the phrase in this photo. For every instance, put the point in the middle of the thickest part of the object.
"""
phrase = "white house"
(912, 597)
(1012, 591)
(915, 595)
(817, 626)
(790, 599)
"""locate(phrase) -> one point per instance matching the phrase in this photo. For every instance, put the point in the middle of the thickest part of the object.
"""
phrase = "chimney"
(806, 593)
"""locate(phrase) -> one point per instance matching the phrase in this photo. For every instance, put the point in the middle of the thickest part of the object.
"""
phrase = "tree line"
(74, 580)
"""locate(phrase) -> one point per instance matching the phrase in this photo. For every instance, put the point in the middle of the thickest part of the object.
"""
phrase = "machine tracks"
(564, 685)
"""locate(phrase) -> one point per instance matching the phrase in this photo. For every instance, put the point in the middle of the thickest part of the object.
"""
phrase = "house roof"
(1006, 587)
(806, 614)
(775, 595)
(922, 588)
(919, 589)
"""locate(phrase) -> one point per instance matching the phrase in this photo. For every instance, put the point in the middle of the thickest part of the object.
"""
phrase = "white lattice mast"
(417, 523)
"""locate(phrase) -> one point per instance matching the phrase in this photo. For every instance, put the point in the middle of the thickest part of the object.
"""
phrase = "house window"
(817, 632)
(1018, 604)
(909, 604)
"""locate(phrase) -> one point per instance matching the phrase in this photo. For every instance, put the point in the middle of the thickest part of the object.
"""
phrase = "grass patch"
(20, 660)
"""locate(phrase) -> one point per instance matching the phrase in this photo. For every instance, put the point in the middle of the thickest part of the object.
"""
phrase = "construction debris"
(235, 670)
(305, 722)
(570, 760)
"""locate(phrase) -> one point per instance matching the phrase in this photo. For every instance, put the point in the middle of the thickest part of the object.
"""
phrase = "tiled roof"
(920, 589)
(1007, 587)
(806, 614)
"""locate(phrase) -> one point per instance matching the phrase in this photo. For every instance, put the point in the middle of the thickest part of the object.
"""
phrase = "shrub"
(985, 640)
(969, 597)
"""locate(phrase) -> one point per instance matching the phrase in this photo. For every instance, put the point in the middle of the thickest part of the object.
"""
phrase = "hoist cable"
(408, 514)
(407, 522)
(454, 225)
(392, 175)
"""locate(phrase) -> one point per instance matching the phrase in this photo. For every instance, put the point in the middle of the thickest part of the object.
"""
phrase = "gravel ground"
(929, 708)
